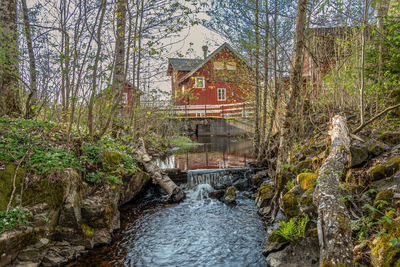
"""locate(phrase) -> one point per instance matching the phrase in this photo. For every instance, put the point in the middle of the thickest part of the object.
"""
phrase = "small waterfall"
(218, 178)
(200, 192)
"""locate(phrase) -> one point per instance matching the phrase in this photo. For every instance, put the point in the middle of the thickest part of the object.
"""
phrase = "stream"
(200, 231)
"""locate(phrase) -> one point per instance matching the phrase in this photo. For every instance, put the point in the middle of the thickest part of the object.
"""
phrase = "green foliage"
(290, 184)
(365, 227)
(47, 160)
(292, 231)
(113, 179)
(94, 177)
(10, 220)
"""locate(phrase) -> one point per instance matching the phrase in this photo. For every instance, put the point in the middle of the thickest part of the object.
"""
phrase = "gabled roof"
(184, 64)
(203, 62)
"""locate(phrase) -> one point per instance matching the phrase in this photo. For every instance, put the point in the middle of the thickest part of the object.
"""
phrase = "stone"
(303, 166)
(6, 183)
(264, 193)
(230, 195)
(306, 180)
(375, 147)
(102, 237)
(359, 155)
(290, 205)
(133, 184)
(241, 184)
(218, 194)
(382, 252)
(111, 160)
(259, 177)
(390, 137)
(305, 253)
(385, 170)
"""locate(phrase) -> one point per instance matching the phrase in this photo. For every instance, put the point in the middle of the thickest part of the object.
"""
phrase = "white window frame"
(125, 98)
(231, 65)
(218, 65)
(183, 89)
(203, 83)
(221, 92)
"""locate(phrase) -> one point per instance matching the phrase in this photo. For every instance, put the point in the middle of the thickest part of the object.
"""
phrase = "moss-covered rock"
(385, 170)
(259, 177)
(6, 184)
(290, 205)
(303, 166)
(390, 137)
(264, 194)
(230, 195)
(49, 191)
(111, 160)
(306, 180)
(376, 147)
(359, 155)
(87, 230)
(383, 253)
(377, 173)
(387, 196)
(132, 185)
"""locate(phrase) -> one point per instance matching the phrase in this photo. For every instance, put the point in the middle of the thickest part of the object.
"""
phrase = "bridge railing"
(244, 109)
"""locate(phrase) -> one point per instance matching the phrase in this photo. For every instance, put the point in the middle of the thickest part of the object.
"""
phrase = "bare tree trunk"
(296, 82)
(175, 193)
(95, 67)
(383, 7)
(334, 234)
(362, 87)
(9, 97)
(276, 84)
(119, 75)
(256, 145)
(33, 95)
(261, 152)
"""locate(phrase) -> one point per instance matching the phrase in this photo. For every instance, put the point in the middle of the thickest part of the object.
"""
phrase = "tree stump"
(175, 193)
(334, 234)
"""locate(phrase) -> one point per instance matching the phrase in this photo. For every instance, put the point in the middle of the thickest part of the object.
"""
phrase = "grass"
(182, 142)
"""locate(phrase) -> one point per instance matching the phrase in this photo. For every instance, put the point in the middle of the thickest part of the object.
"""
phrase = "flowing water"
(200, 231)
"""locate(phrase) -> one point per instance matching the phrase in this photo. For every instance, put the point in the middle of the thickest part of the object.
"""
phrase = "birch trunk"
(256, 144)
(336, 247)
(175, 193)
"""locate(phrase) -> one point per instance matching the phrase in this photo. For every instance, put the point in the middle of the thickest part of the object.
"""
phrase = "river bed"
(200, 231)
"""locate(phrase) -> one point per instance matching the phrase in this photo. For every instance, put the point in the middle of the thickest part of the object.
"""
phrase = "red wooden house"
(129, 97)
(218, 85)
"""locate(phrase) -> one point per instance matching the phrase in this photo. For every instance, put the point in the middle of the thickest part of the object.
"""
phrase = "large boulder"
(111, 160)
(6, 183)
(359, 155)
(303, 253)
(132, 185)
(387, 169)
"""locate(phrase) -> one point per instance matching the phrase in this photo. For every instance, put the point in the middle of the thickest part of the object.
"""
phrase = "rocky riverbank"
(369, 189)
(68, 217)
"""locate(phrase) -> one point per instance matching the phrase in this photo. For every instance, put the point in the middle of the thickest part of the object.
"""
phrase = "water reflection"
(213, 153)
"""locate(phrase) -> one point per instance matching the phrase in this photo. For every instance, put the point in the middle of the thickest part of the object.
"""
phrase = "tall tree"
(256, 141)
(9, 96)
(33, 94)
(362, 84)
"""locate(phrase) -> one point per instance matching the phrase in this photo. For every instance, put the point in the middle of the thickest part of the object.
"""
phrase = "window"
(199, 82)
(231, 66)
(221, 94)
(183, 89)
(125, 99)
(218, 65)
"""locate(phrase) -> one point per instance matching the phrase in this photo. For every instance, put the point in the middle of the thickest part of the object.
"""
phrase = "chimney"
(205, 50)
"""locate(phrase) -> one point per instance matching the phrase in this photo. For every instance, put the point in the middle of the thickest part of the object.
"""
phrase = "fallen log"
(175, 193)
(334, 234)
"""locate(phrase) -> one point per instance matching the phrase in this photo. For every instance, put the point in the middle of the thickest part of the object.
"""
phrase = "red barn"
(130, 96)
(218, 85)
